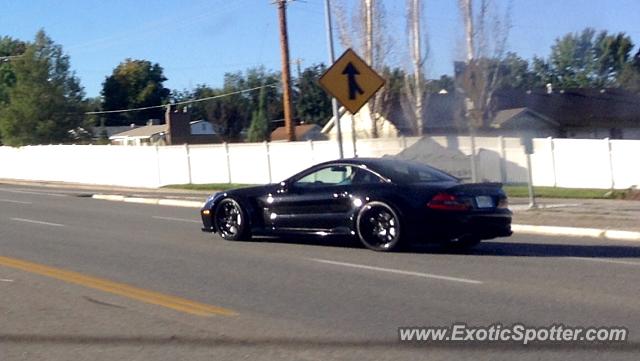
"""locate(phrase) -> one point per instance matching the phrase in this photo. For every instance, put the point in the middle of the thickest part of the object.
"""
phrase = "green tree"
(257, 77)
(232, 109)
(134, 84)
(587, 59)
(313, 105)
(229, 111)
(445, 82)
(629, 77)
(259, 128)
(45, 101)
(9, 49)
(513, 72)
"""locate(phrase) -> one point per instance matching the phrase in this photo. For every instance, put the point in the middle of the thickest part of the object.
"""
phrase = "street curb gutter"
(611, 234)
(156, 201)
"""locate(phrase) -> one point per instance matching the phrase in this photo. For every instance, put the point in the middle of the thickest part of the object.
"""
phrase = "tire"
(231, 221)
(378, 227)
(462, 243)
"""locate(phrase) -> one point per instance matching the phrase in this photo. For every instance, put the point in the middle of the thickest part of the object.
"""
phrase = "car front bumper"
(207, 220)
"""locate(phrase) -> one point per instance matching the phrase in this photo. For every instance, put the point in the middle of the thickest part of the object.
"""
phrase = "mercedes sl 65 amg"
(384, 202)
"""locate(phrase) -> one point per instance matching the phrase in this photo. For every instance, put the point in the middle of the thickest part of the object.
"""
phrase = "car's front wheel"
(378, 227)
(231, 221)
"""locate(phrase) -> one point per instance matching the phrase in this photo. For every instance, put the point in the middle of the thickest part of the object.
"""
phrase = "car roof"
(362, 161)
(381, 165)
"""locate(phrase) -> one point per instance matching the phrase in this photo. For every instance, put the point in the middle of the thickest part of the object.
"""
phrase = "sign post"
(527, 141)
(352, 82)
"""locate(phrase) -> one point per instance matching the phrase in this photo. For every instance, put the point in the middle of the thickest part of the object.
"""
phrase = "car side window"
(361, 176)
(333, 175)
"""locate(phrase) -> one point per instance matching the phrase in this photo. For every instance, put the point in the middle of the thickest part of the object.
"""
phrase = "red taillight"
(447, 202)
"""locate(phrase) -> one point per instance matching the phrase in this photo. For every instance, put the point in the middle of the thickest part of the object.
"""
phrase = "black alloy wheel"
(378, 227)
(230, 220)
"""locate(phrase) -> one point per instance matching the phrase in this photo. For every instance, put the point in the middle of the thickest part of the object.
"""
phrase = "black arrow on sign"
(351, 73)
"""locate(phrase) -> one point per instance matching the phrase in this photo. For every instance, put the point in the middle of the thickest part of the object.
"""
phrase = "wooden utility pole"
(418, 62)
(368, 58)
(286, 74)
(467, 13)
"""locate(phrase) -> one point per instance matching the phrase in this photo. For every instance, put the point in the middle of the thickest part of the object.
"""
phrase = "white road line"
(176, 219)
(605, 260)
(37, 222)
(30, 192)
(397, 271)
(5, 280)
(16, 202)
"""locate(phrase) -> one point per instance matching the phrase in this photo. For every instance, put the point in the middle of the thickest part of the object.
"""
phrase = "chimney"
(178, 125)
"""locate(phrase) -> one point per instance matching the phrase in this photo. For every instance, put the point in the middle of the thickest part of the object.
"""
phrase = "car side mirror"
(283, 187)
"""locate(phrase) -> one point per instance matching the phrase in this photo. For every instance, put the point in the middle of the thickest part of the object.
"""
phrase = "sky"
(197, 41)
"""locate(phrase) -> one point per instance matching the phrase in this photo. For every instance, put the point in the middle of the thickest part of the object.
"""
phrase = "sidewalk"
(583, 213)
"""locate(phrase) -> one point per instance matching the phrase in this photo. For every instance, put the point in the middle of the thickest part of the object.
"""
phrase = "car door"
(316, 201)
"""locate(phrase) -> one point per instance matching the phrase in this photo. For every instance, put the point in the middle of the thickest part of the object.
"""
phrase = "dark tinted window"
(361, 176)
(410, 172)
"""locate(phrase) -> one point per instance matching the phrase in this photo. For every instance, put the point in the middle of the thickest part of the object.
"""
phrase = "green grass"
(207, 187)
(553, 192)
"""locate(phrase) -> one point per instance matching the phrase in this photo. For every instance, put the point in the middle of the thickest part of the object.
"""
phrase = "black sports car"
(384, 202)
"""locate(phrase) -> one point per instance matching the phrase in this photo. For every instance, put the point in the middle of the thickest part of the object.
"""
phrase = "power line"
(183, 102)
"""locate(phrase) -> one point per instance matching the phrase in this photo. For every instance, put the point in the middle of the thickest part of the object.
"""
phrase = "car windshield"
(405, 172)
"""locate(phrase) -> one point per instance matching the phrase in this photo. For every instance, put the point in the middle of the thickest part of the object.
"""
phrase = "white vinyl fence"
(576, 163)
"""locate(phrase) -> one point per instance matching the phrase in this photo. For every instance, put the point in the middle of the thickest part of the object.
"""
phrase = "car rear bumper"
(453, 225)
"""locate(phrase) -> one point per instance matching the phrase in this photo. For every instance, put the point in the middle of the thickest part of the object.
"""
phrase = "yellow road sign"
(351, 81)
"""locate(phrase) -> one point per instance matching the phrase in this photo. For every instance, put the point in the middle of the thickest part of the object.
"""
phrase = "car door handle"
(341, 195)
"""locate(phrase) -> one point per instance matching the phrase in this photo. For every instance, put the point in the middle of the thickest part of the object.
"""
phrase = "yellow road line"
(120, 289)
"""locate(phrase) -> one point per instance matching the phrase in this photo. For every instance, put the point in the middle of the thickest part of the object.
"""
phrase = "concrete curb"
(611, 234)
(155, 201)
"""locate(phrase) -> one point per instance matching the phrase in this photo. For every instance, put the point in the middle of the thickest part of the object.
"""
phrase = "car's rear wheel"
(231, 220)
(378, 227)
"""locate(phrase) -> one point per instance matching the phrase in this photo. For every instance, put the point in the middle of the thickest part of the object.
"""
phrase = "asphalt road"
(90, 279)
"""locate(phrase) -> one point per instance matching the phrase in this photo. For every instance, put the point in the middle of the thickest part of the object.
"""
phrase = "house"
(178, 129)
(302, 132)
(362, 124)
(202, 127)
(107, 131)
(146, 135)
(512, 122)
(580, 113)
(573, 113)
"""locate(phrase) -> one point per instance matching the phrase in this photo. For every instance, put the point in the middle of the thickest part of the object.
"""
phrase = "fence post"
(226, 151)
(313, 155)
(158, 166)
(266, 146)
(609, 150)
(403, 141)
(503, 160)
(553, 161)
(188, 153)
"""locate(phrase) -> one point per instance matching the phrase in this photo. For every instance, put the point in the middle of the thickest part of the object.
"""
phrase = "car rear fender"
(487, 188)
(472, 191)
